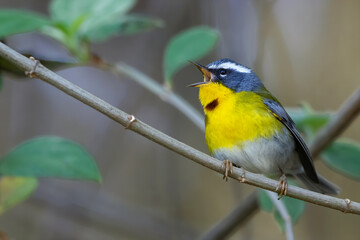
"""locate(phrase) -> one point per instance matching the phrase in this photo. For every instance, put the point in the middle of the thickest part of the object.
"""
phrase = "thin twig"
(283, 213)
(172, 144)
(156, 88)
(338, 123)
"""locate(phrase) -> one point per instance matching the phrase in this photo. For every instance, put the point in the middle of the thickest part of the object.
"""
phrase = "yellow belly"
(238, 117)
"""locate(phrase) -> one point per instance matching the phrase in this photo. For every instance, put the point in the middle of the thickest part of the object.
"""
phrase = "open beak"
(208, 76)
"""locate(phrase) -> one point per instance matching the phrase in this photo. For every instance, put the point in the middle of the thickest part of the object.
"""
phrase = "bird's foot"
(228, 168)
(282, 187)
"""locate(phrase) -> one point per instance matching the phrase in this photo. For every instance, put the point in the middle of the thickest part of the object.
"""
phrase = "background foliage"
(77, 26)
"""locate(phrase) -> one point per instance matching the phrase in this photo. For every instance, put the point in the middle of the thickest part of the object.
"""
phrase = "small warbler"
(246, 125)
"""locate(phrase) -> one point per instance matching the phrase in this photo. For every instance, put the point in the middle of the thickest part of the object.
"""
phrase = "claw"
(31, 73)
(228, 168)
(131, 120)
(282, 186)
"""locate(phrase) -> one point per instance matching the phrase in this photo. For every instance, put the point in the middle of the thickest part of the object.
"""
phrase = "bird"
(246, 126)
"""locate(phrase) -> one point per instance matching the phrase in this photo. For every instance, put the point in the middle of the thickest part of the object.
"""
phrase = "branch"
(339, 122)
(153, 86)
(172, 144)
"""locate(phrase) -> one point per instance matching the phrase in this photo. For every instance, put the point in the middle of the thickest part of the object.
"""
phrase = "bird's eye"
(223, 72)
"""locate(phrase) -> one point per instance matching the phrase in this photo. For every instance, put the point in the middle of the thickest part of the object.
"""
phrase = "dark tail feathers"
(324, 186)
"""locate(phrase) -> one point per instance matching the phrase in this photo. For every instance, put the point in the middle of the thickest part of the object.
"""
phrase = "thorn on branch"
(242, 179)
(131, 120)
(348, 208)
(31, 73)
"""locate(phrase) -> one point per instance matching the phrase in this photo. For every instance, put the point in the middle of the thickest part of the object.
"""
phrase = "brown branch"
(339, 122)
(172, 144)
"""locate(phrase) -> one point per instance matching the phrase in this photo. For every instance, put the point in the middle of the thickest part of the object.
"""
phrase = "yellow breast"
(232, 118)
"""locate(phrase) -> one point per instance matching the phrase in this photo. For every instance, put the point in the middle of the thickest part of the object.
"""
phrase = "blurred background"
(302, 50)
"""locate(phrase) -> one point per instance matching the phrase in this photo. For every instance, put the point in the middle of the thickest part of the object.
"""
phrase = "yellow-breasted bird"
(247, 126)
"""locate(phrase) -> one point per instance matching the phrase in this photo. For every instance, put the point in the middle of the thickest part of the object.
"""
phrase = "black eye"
(223, 72)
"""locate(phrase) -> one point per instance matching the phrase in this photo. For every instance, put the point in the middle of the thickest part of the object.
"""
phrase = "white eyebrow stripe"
(230, 65)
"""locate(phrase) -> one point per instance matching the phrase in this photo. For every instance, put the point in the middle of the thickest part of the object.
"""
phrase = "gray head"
(234, 76)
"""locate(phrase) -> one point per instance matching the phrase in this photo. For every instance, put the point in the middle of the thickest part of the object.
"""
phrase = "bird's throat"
(212, 94)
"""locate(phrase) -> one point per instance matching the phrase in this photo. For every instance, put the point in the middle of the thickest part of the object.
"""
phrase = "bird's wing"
(304, 154)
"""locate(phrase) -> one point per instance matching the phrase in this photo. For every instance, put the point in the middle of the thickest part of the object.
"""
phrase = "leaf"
(50, 157)
(265, 202)
(129, 24)
(19, 21)
(294, 207)
(304, 119)
(68, 11)
(14, 190)
(105, 12)
(88, 14)
(191, 44)
(344, 157)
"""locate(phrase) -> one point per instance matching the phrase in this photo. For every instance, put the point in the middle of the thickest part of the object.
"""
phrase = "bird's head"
(230, 74)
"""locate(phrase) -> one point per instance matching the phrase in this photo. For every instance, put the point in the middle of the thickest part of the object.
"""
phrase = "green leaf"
(88, 14)
(304, 119)
(191, 44)
(14, 190)
(18, 21)
(294, 207)
(50, 157)
(265, 202)
(68, 11)
(129, 24)
(344, 157)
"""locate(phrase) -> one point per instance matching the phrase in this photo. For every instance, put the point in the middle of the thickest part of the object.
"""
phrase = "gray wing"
(304, 154)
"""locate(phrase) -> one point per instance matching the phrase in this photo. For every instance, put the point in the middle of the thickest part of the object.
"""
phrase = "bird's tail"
(324, 186)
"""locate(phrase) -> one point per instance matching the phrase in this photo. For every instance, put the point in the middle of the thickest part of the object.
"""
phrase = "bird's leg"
(228, 168)
(282, 186)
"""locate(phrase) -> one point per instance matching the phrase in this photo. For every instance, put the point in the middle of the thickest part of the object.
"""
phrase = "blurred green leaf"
(344, 157)
(265, 202)
(14, 190)
(50, 157)
(88, 14)
(68, 11)
(305, 119)
(19, 21)
(128, 24)
(191, 44)
(294, 207)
